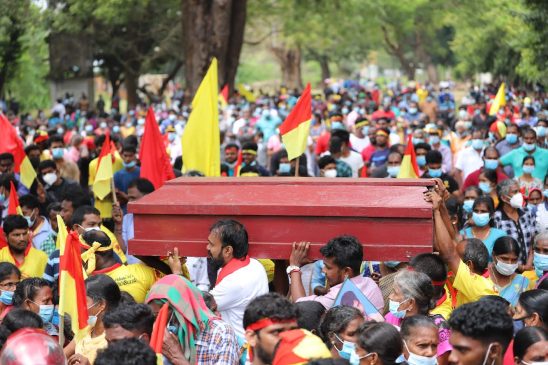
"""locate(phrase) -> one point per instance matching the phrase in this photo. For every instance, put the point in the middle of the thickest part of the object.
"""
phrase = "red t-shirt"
(322, 144)
(473, 178)
(368, 152)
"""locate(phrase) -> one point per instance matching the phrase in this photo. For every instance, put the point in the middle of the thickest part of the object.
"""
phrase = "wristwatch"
(292, 268)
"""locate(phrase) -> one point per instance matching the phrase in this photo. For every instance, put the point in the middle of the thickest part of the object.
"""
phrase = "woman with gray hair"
(413, 294)
(517, 221)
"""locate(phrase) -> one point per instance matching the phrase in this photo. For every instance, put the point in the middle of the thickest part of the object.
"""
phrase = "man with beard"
(264, 319)
(231, 158)
(240, 278)
(30, 261)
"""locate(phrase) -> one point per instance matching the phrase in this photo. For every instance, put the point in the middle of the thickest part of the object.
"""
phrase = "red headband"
(265, 322)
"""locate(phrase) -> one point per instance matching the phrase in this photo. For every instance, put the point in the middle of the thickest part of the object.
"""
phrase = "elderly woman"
(197, 336)
(339, 331)
(413, 294)
(420, 340)
(518, 222)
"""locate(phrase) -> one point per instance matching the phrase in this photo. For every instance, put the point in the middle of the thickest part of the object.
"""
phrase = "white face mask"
(50, 178)
(415, 359)
(330, 173)
(505, 269)
(517, 201)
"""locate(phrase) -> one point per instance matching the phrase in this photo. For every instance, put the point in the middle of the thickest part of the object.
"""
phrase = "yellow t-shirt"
(104, 206)
(33, 265)
(135, 279)
(89, 346)
(471, 287)
(446, 307)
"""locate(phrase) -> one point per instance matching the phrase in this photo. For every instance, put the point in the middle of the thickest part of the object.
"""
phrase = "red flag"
(158, 330)
(155, 163)
(105, 149)
(409, 168)
(72, 297)
(224, 93)
(13, 205)
(238, 165)
(10, 142)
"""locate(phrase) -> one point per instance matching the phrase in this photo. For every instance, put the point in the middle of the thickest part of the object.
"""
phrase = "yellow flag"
(248, 95)
(201, 140)
(28, 174)
(62, 234)
(500, 100)
(103, 177)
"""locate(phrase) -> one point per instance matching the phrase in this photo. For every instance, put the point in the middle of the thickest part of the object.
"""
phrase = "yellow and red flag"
(10, 142)
(499, 101)
(13, 204)
(409, 168)
(296, 127)
(72, 290)
(102, 185)
(158, 331)
(223, 96)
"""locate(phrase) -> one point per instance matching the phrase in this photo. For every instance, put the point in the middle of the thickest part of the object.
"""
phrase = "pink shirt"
(366, 285)
(443, 333)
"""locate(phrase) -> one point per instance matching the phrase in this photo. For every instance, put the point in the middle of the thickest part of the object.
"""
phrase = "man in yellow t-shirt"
(105, 205)
(30, 261)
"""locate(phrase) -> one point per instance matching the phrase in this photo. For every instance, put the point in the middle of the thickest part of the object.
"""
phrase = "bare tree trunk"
(290, 64)
(213, 28)
(324, 65)
(131, 82)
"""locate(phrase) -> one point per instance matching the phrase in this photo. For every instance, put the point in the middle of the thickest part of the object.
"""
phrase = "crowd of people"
(480, 298)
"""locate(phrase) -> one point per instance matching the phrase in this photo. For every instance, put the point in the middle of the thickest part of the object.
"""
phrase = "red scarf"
(233, 265)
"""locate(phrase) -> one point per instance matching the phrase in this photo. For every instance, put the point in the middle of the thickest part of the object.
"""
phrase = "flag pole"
(61, 330)
(297, 167)
(113, 188)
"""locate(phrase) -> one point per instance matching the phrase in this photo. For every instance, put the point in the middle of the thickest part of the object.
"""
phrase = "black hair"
(326, 160)
(271, 305)
(31, 148)
(535, 301)
(56, 138)
(232, 145)
(505, 244)
(476, 252)
(29, 201)
(103, 287)
(490, 175)
(209, 299)
(129, 351)
(80, 213)
(232, 233)
(129, 148)
(17, 319)
(527, 158)
(130, 141)
(418, 320)
(526, 338)
(486, 321)
(250, 146)
(99, 140)
(529, 131)
(423, 146)
(7, 269)
(335, 321)
(310, 314)
(46, 164)
(76, 196)
(433, 156)
(13, 222)
(96, 236)
(487, 200)
(433, 266)
(131, 317)
(5, 180)
(381, 338)
(28, 289)
(328, 362)
(494, 298)
(490, 148)
(343, 134)
(346, 251)
(53, 207)
(7, 156)
(335, 144)
(143, 185)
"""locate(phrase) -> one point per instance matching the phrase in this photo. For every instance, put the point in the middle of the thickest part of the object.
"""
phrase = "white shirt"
(236, 290)
(197, 268)
(469, 160)
(359, 144)
(355, 161)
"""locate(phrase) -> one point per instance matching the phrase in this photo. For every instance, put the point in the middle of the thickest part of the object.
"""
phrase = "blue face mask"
(511, 138)
(130, 165)
(481, 219)
(284, 168)
(336, 125)
(421, 160)
(541, 131)
(529, 146)
(545, 193)
(116, 129)
(413, 110)
(528, 169)
(485, 187)
(393, 171)
(365, 130)
(46, 312)
(477, 144)
(416, 141)
(434, 172)
(348, 348)
(491, 164)
(6, 297)
(540, 262)
(393, 308)
(2, 198)
(434, 140)
(467, 205)
(57, 153)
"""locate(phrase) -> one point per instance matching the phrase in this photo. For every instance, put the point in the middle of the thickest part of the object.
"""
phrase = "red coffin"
(388, 216)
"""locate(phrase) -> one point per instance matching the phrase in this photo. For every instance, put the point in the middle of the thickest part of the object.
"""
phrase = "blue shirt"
(123, 178)
(515, 158)
(489, 242)
(380, 157)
